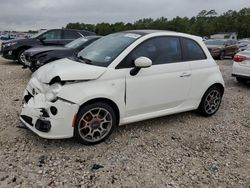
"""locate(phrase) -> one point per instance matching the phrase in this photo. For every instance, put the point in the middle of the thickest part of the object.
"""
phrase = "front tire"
(211, 101)
(21, 57)
(95, 122)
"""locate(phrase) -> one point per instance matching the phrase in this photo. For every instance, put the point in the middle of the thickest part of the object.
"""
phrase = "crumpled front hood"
(68, 70)
(38, 50)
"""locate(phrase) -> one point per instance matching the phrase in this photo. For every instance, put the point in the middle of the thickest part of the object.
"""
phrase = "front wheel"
(21, 57)
(211, 101)
(95, 122)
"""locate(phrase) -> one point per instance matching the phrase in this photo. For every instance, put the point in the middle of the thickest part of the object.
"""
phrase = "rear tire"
(210, 101)
(95, 122)
(241, 80)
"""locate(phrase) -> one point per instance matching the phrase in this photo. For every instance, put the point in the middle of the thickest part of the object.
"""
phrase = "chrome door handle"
(185, 75)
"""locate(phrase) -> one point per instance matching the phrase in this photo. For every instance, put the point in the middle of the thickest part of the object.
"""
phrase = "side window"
(160, 50)
(71, 35)
(192, 50)
(52, 35)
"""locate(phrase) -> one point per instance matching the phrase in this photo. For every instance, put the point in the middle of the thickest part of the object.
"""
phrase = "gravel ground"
(183, 150)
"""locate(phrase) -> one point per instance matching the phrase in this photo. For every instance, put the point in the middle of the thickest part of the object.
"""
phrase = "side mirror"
(141, 62)
(42, 39)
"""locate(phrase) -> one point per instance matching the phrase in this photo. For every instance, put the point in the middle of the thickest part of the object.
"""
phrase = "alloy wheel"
(212, 101)
(95, 124)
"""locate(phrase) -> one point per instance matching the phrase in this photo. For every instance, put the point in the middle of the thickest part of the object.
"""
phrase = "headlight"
(41, 60)
(52, 91)
(9, 44)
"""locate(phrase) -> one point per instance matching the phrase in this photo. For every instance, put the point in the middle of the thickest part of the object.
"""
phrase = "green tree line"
(205, 23)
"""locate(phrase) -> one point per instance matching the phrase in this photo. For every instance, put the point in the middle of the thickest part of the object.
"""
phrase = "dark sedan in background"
(39, 56)
(219, 48)
(14, 49)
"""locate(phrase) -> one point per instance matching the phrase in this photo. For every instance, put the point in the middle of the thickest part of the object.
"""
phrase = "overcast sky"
(36, 14)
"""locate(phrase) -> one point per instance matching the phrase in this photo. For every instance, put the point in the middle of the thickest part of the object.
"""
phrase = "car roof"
(147, 31)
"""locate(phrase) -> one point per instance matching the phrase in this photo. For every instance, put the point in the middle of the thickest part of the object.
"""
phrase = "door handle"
(184, 74)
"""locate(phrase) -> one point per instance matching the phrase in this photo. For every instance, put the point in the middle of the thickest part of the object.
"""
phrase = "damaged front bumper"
(51, 120)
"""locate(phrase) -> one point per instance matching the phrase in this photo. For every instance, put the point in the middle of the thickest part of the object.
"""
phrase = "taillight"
(239, 58)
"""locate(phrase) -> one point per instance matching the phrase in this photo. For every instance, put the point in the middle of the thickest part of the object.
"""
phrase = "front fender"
(83, 92)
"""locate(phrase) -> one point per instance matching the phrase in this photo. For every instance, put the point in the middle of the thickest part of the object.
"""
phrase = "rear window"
(192, 50)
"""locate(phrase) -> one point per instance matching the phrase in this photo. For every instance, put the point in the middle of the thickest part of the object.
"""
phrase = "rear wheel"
(211, 101)
(95, 122)
(21, 57)
(241, 80)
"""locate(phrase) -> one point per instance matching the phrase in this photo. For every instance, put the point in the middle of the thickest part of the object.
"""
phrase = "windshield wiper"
(85, 60)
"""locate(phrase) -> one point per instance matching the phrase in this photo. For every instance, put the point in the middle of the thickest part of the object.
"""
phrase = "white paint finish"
(242, 68)
(158, 87)
(61, 124)
(68, 70)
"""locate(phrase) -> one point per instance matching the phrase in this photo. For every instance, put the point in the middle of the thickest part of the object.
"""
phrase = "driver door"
(164, 85)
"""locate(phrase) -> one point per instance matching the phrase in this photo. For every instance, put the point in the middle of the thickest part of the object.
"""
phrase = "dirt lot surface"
(183, 150)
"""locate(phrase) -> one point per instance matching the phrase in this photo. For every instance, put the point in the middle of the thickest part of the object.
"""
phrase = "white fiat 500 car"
(122, 78)
(241, 66)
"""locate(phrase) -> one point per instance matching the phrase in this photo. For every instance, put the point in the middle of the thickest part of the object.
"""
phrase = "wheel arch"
(107, 101)
(21, 48)
(217, 84)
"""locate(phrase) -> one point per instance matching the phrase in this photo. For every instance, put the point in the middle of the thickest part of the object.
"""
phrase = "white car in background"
(122, 78)
(241, 66)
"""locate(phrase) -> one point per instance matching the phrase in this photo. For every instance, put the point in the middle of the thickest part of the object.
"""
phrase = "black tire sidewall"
(201, 108)
(86, 108)
(18, 56)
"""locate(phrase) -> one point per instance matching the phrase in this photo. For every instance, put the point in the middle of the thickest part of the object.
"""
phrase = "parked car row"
(39, 56)
(14, 49)
(102, 83)
(219, 48)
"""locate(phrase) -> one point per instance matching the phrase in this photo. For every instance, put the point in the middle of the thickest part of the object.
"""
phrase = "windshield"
(76, 43)
(37, 34)
(215, 42)
(103, 51)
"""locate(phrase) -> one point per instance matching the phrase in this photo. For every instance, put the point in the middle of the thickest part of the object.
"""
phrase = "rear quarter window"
(192, 50)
